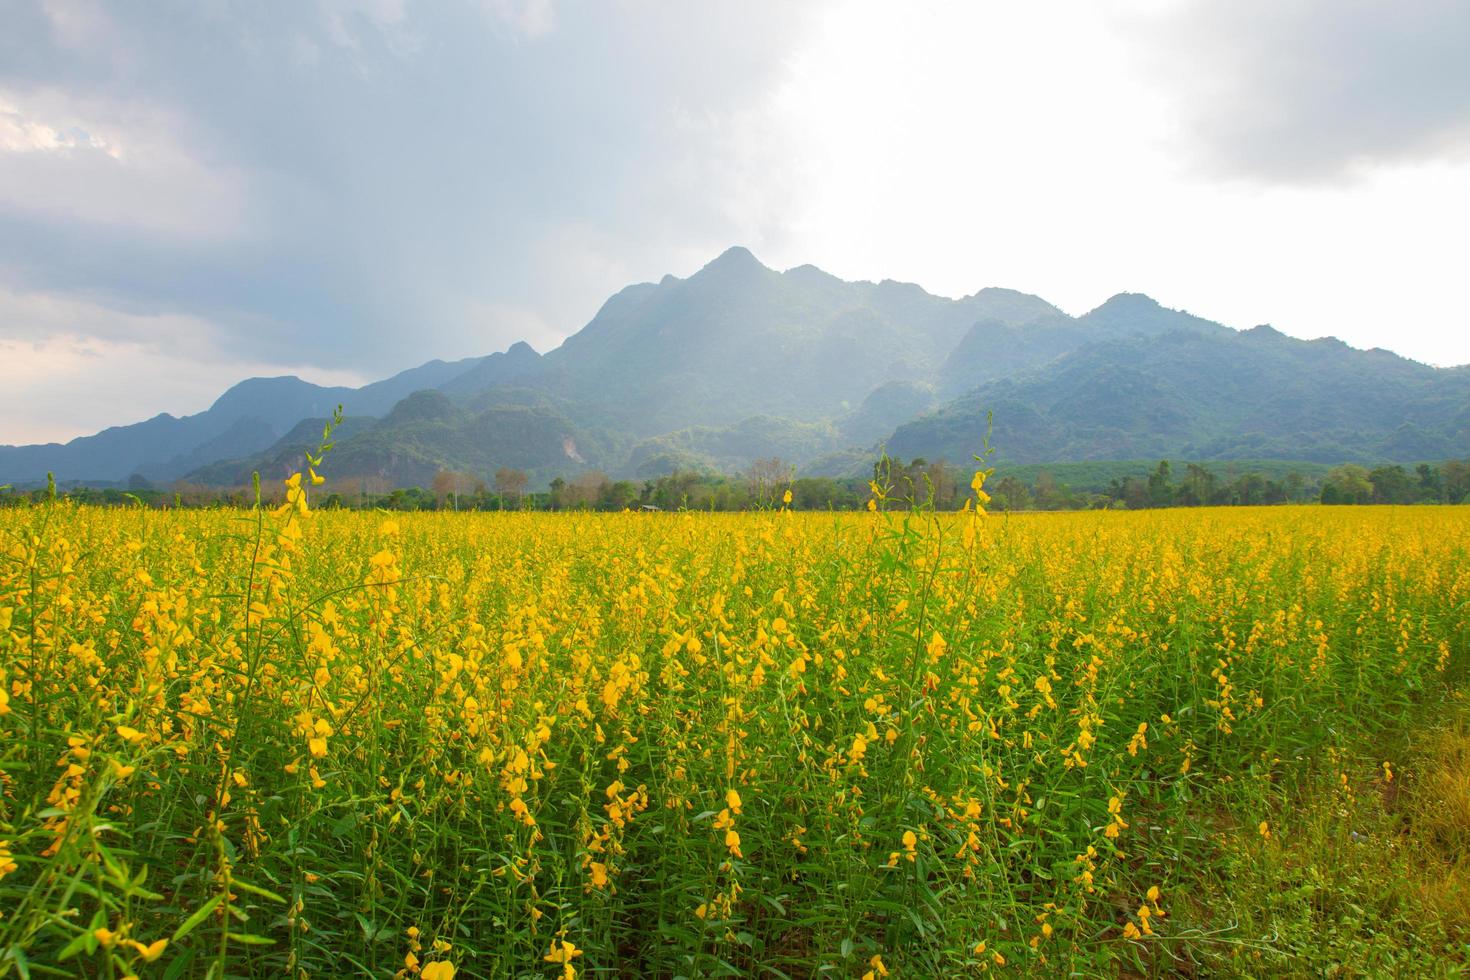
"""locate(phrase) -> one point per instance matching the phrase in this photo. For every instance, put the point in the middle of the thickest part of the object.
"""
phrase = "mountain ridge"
(739, 360)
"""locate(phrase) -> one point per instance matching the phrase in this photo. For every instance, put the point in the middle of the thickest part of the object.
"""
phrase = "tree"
(1199, 487)
(1249, 490)
(442, 487)
(1431, 484)
(1347, 485)
(585, 489)
(511, 483)
(1392, 485)
(941, 482)
(1009, 493)
(1136, 494)
(1048, 495)
(1160, 490)
(768, 479)
(448, 486)
(1456, 478)
(617, 496)
(1294, 483)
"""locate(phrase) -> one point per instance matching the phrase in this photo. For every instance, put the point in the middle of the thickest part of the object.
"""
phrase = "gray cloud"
(369, 184)
(1313, 90)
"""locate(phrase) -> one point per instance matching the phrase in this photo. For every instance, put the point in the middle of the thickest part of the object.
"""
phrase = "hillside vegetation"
(739, 362)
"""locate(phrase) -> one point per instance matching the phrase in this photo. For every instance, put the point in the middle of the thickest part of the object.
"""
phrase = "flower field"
(322, 743)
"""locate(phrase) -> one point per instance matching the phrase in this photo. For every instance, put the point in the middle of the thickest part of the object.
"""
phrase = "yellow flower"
(129, 734)
(564, 956)
(438, 970)
(150, 952)
(786, 498)
(936, 647)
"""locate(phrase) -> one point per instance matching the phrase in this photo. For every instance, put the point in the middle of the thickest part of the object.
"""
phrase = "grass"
(1362, 872)
(329, 743)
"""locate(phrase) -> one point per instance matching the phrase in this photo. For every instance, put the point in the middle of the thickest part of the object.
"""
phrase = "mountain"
(738, 340)
(1209, 394)
(994, 349)
(513, 365)
(740, 361)
(429, 431)
(247, 418)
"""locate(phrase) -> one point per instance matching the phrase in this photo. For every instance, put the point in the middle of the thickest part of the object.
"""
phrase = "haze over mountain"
(739, 362)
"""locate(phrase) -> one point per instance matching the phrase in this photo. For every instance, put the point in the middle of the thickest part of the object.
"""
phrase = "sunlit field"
(320, 743)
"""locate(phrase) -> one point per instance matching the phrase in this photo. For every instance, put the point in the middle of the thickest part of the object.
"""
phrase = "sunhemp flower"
(977, 484)
(563, 952)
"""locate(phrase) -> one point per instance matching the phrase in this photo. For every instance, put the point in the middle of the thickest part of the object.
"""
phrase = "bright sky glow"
(192, 194)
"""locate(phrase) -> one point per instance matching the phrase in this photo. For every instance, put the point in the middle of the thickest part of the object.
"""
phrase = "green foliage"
(1094, 744)
(1210, 395)
(740, 362)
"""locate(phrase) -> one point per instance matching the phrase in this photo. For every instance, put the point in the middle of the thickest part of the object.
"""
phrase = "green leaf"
(77, 944)
(246, 886)
(200, 914)
(179, 965)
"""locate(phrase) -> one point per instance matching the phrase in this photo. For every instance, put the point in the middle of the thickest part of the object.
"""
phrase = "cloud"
(363, 185)
(61, 357)
(21, 134)
(355, 182)
(1313, 90)
(529, 18)
(98, 161)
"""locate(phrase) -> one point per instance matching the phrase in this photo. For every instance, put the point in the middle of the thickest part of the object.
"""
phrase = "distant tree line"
(1198, 486)
(904, 484)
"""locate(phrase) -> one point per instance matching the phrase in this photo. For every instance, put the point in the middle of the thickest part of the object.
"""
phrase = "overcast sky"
(199, 191)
